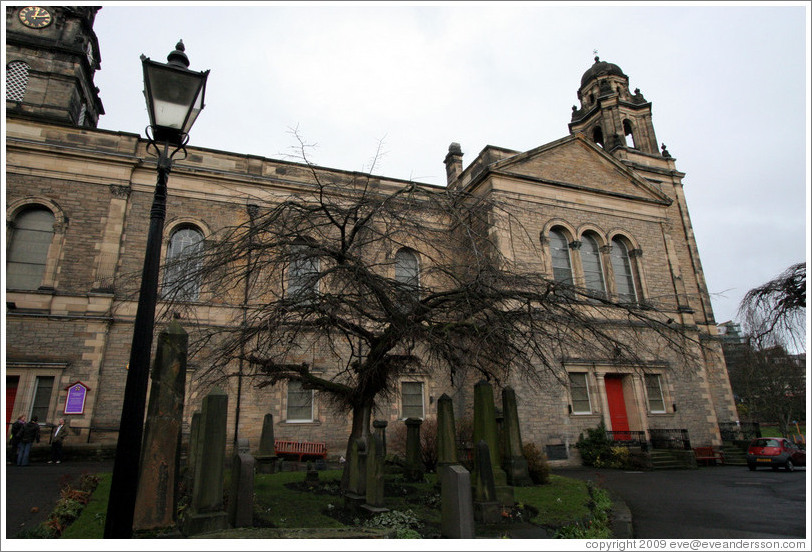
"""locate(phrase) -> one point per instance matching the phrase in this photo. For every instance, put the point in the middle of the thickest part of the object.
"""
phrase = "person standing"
(29, 434)
(56, 442)
(16, 433)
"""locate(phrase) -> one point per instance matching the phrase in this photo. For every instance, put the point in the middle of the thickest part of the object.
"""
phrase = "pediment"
(574, 162)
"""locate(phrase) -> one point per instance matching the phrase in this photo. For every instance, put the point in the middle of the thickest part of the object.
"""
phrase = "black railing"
(669, 439)
(629, 439)
(739, 431)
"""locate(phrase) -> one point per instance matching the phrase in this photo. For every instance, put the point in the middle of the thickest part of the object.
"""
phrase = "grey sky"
(729, 86)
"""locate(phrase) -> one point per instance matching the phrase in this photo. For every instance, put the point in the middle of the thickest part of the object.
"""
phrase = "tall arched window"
(303, 272)
(181, 276)
(16, 80)
(624, 271)
(560, 252)
(407, 270)
(593, 268)
(629, 133)
(31, 237)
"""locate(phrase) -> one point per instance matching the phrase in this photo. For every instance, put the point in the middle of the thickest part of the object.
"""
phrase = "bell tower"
(609, 114)
(52, 54)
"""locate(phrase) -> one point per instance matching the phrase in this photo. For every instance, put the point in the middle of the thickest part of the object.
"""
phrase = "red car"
(774, 452)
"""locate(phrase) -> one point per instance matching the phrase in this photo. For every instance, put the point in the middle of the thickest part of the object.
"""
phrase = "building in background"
(609, 212)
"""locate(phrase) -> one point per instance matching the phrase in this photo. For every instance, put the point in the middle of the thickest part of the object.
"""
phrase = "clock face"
(35, 17)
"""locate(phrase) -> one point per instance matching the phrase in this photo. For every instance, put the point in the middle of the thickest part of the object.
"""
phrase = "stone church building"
(608, 207)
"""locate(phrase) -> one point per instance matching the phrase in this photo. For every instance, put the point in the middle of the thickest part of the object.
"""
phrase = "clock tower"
(52, 54)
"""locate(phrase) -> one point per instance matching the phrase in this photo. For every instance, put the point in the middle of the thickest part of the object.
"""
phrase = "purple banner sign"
(75, 401)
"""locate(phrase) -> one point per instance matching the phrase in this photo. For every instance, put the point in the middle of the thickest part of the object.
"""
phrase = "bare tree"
(775, 312)
(372, 278)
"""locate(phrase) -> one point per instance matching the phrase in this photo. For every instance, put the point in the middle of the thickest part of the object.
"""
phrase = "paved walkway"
(32, 491)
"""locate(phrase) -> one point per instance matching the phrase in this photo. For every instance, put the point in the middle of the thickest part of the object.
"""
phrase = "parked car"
(774, 452)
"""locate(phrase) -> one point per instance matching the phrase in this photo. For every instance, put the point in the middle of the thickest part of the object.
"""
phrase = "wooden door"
(11, 393)
(617, 407)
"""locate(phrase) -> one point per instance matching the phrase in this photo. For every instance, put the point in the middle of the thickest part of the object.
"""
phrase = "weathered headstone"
(487, 508)
(157, 495)
(243, 446)
(380, 429)
(206, 510)
(266, 455)
(355, 496)
(194, 434)
(513, 460)
(446, 432)
(241, 496)
(413, 469)
(456, 510)
(485, 428)
(375, 475)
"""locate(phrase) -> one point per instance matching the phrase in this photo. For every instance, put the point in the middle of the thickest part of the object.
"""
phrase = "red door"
(11, 394)
(617, 407)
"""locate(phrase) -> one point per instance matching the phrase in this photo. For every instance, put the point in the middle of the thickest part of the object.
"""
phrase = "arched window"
(593, 268)
(627, 131)
(16, 80)
(624, 271)
(597, 136)
(303, 272)
(32, 234)
(560, 253)
(181, 276)
(407, 270)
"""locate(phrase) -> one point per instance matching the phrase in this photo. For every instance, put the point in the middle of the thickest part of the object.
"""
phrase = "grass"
(772, 430)
(283, 502)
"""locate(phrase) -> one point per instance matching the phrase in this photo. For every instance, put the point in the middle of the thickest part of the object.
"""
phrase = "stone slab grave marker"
(206, 510)
(457, 510)
(485, 430)
(513, 460)
(414, 469)
(157, 495)
(267, 461)
(241, 496)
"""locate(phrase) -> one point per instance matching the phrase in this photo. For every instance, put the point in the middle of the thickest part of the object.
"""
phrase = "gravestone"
(157, 494)
(513, 460)
(446, 432)
(457, 510)
(194, 433)
(485, 428)
(380, 429)
(241, 496)
(413, 469)
(355, 496)
(487, 508)
(311, 475)
(375, 476)
(267, 461)
(206, 509)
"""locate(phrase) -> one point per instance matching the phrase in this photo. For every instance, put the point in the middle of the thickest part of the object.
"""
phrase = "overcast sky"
(729, 87)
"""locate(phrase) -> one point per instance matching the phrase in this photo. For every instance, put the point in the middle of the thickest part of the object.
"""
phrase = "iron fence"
(629, 439)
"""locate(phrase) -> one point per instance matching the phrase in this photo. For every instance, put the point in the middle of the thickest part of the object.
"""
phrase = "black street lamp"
(174, 97)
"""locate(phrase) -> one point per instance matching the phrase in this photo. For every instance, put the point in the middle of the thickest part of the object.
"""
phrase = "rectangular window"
(412, 399)
(300, 403)
(654, 391)
(579, 390)
(42, 398)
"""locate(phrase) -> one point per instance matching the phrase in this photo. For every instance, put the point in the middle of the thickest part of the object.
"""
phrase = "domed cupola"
(609, 114)
(600, 69)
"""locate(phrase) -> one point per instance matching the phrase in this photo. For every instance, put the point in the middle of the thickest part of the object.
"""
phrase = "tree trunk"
(361, 414)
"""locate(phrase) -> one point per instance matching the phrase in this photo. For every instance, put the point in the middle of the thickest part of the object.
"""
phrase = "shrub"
(596, 447)
(405, 523)
(537, 465)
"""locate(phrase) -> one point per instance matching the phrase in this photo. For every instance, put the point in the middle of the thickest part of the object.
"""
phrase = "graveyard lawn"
(284, 501)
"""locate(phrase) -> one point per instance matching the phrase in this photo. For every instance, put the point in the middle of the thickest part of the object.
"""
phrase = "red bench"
(708, 454)
(299, 449)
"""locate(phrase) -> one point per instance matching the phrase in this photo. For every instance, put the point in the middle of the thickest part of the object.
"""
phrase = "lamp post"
(174, 96)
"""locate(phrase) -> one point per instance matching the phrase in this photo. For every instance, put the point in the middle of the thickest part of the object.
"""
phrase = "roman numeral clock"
(35, 17)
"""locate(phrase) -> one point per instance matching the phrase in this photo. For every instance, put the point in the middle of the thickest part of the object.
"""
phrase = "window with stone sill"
(299, 403)
(654, 392)
(411, 393)
(579, 393)
(31, 237)
(182, 264)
